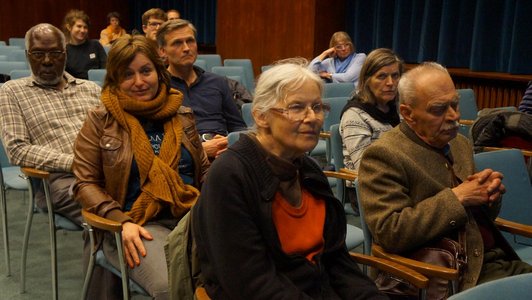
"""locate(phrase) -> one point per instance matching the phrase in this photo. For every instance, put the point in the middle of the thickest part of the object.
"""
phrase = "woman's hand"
(132, 235)
(327, 53)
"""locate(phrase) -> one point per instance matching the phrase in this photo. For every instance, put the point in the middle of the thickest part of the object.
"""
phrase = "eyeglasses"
(341, 46)
(39, 55)
(154, 24)
(298, 112)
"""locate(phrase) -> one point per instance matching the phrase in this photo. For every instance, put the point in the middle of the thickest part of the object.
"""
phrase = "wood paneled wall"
(266, 31)
(492, 89)
(17, 16)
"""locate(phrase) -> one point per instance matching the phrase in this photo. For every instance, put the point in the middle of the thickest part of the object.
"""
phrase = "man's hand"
(480, 188)
(132, 242)
(215, 146)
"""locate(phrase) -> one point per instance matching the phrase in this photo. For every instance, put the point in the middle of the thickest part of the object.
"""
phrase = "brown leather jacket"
(103, 158)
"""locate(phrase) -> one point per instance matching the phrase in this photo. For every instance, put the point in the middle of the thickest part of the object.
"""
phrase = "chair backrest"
(367, 234)
(3, 57)
(517, 201)
(20, 42)
(265, 67)
(7, 66)
(212, 60)
(338, 89)
(3, 43)
(201, 63)
(5, 50)
(97, 75)
(234, 136)
(16, 74)
(230, 71)
(468, 104)
(249, 80)
(513, 287)
(4, 161)
(17, 55)
(337, 105)
(246, 114)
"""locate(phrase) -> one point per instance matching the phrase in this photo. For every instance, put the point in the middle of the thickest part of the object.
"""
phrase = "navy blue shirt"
(211, 100)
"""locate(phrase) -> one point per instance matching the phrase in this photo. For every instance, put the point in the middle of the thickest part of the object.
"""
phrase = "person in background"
(151, 20)
(41, 115)
(138, 161)
(263, 195)
(371, 111)
(206, 93)
(113, 30)
(173, 14)
(340, 62)
(418, 182)
(83, 53)
(526, 104)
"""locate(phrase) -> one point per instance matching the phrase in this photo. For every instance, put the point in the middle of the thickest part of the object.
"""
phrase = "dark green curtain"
(202, 13)
(482, 35)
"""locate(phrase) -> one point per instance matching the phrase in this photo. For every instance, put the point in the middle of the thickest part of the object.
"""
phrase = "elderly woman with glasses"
(267, 225)
(340, 62)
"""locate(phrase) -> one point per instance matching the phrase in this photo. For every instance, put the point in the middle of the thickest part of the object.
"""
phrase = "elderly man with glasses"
(41, 115)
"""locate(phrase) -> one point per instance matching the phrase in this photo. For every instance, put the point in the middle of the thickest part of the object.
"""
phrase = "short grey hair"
(286, 76)
(407, 83)
(42, 27)
(170, 26)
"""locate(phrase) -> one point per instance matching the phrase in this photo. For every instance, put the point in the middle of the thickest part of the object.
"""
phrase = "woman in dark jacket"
(139, 161)
(267, 225)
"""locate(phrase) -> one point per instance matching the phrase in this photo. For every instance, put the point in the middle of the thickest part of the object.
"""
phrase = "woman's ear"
(261, 119)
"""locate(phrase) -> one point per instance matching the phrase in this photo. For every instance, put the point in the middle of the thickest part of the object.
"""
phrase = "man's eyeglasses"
(154, 24)
(341, 46)
(297, 112)
(39, 55)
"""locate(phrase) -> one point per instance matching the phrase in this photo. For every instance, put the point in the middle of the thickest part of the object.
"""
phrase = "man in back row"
(206, 93)
(427, 189)
(152, 19)
(41, 115)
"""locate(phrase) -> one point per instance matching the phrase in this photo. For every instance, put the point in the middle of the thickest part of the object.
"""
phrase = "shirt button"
(452, 223)
(107, 145)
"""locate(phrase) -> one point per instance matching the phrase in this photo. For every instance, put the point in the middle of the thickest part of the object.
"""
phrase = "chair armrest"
(466, 122)
(421, 267)
(514, 228)
(398, 270)
(35, 173)
(348, 171)
(340, 175)
(526, 153)
(101, 223)
(325, 135)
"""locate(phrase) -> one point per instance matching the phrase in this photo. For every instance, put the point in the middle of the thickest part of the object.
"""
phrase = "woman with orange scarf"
(139, 161)
(113, 31)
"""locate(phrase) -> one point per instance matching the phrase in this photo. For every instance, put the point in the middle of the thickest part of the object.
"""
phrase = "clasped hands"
(484, 187)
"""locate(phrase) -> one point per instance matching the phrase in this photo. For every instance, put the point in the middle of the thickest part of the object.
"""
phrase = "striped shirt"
(39, 124)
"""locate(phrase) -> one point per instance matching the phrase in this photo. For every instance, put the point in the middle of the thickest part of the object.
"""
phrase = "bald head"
(44, 29)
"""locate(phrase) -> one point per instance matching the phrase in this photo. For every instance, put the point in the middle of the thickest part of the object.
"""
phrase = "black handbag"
(445, 253)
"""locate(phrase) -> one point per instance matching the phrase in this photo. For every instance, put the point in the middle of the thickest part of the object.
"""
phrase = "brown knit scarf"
(161, 185)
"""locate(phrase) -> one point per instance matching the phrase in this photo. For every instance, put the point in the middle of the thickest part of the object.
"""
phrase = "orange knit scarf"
(161, 185)
(110, 30)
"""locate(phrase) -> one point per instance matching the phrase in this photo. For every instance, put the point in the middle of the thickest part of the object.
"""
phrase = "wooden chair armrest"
(348, 171)
(201, 294)
(101, 223)
(526, 153)
(398, 270)
(514, 228)
(35, 173)
(325, 135)
(421, 267)
(340, 175)
(466, 122)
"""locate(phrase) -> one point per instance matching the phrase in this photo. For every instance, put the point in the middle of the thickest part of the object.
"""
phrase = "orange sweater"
(300, 229)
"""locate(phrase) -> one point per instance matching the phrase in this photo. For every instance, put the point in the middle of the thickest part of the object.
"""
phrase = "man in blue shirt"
(206, 93)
